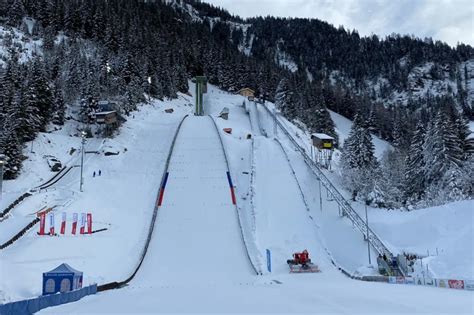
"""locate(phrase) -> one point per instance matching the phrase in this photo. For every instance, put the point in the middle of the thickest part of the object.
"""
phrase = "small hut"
(247, 92)
(322, 141)
(324, 145)
(63, 278)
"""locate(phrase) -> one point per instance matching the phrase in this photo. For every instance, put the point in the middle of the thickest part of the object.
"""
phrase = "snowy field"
(196, 261)
(121, 200)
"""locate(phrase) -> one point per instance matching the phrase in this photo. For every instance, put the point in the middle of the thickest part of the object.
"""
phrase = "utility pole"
(367, 225)
(320, 197)
(275, 127)
(2, 162)
(83, 142)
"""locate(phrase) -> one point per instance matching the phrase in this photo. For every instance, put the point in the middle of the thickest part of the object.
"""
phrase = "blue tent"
(63, 278)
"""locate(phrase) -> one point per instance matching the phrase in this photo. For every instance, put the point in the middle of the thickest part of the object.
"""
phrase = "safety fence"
(347, 209)
(237, 209)
(13, 204)
(19, 234)
(120, 284)
(30, 306)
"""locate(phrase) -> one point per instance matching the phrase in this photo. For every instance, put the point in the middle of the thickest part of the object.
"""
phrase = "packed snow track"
(196, 236)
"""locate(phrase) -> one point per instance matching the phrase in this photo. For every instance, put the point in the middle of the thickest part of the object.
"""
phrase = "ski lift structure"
(201, 88)
(322, 148)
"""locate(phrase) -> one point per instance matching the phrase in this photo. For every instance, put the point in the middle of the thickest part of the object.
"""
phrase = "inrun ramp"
(196, 236)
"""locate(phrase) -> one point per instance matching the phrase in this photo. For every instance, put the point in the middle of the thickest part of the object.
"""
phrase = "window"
(65, 285)
(50, 286)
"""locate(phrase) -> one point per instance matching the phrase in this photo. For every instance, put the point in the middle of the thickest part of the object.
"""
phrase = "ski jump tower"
(201, 88)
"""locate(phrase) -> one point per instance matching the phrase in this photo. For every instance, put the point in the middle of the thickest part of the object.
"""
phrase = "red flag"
(74, 223)
(83, 223)
(89, 223)
(51, 223)
(63, 223)
(42, 223)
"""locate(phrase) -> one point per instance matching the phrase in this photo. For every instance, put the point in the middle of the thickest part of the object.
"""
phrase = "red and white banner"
(89, 223)
(83, 222)
(42, 223)
(63, 223)
(74, 223)
(456, 284)
(51, 223)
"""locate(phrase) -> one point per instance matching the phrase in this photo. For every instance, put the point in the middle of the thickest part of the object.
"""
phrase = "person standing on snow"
(93, 174)
(100, 172)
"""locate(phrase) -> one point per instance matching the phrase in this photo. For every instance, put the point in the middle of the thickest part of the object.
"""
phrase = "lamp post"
(367, 225)
(83, 141)
(2, 162)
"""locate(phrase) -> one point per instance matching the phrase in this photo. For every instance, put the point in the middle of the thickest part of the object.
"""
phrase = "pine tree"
(415, 183)
(38, 93)
(10, 146)
(358, 160)
(16, 13)
(58, 106)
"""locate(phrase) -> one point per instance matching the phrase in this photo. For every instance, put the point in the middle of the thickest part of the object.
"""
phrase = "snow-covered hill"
(280, 210)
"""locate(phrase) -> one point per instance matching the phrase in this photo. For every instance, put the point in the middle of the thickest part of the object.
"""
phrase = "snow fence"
(31, 306)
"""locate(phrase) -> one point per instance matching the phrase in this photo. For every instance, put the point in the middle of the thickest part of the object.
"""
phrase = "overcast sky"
(448, 20)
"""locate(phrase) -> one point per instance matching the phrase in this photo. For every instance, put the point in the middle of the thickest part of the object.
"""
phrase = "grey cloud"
(448, 20)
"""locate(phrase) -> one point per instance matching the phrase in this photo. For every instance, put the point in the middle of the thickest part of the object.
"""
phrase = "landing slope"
(196, 237)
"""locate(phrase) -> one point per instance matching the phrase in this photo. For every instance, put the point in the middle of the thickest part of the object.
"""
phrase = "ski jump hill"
(217, 210)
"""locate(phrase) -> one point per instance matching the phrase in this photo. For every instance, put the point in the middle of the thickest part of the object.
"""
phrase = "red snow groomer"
(302, 263)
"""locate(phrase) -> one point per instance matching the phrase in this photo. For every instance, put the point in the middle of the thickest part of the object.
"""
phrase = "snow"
(196, 261)
(444, 235)
(28, 46)
(284, 60)
(343, 127)
(121, 200)
(314, 294)
(197, 215)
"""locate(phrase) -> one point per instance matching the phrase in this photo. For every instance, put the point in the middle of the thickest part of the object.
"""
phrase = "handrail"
(242, 234)
(120, 284)
(373, 239)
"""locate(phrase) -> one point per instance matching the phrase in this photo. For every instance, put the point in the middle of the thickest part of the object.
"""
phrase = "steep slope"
(196, 238)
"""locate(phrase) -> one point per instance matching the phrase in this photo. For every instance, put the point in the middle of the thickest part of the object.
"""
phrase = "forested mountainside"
(81, 51)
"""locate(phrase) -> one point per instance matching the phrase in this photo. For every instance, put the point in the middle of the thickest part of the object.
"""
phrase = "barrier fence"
(30, 306)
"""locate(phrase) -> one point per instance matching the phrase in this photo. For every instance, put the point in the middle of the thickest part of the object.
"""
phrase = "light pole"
(83, 141)
(367, 225)
(2, 162)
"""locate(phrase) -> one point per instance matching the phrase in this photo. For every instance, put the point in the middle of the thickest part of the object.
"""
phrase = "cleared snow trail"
(282, 220)
(196, 237)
